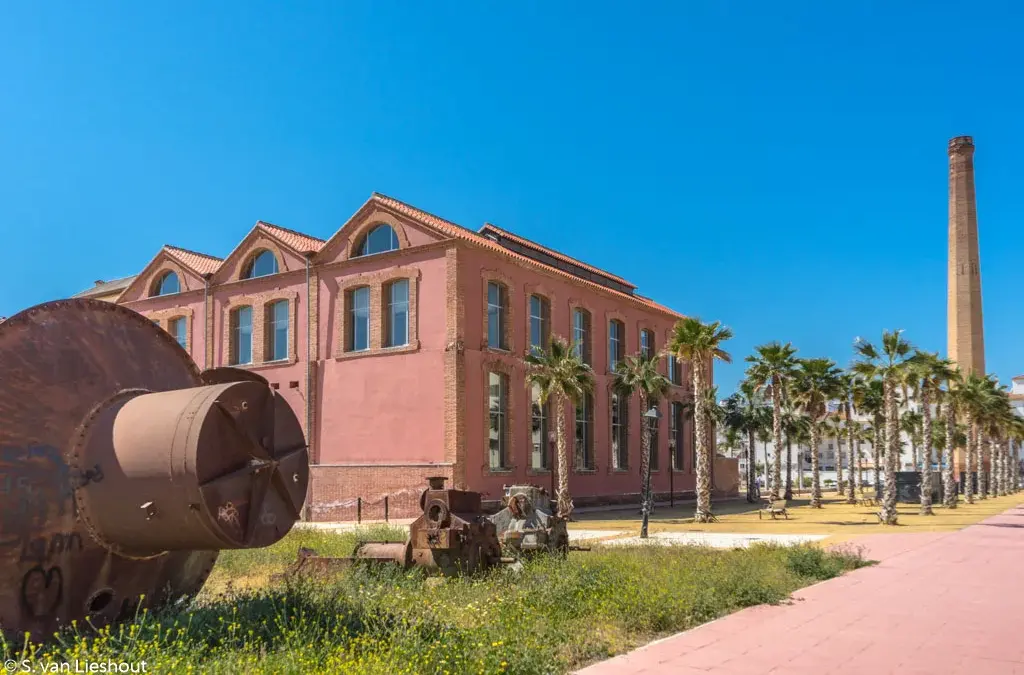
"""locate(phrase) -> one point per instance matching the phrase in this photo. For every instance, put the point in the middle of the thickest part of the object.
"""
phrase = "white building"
(1017, 394)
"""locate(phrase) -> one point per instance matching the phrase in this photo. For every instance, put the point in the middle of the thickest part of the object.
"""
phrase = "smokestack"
(966, 338)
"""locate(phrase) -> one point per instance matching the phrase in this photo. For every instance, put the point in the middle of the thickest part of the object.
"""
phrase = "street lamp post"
(652, 414)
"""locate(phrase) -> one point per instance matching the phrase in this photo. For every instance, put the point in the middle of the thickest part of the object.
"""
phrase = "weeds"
(553, 616)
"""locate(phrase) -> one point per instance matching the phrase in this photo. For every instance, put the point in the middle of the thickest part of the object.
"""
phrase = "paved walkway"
(937, 604)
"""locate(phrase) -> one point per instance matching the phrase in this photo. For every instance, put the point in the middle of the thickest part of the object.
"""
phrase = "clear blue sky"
(778, 166)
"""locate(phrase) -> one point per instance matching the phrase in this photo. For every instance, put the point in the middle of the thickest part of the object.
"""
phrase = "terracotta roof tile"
(302, 243)
(459, 232)
(555, 254)
(199, 263)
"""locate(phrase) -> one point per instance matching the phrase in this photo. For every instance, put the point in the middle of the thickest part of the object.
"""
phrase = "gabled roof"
(489, 227)
(105, 287)
(303, 243)
(457, 231)
(200, 263)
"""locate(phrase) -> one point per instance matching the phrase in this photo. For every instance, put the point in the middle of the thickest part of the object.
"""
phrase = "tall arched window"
(620, 431)
(616, 343)
(167, 284)
(260, 265)
(241, 336)
(380, 239)
(276, 323)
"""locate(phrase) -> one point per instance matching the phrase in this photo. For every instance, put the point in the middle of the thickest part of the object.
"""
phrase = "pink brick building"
(400, 342)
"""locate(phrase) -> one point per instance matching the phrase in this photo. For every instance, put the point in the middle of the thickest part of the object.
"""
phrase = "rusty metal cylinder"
(202, 468)
(398, 553)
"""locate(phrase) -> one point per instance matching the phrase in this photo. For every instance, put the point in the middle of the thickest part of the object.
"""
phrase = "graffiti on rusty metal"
(41, 591)
(228, 514)
(42, 549)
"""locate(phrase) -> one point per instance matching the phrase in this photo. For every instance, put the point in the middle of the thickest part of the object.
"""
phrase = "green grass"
(551, 617)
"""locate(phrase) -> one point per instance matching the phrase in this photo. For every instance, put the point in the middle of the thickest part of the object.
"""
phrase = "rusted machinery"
(527, 524)
(124, 470)
(452, 537)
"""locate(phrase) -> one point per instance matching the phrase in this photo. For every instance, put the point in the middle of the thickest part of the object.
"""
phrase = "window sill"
(625, 470)
(413, 346)
(488, 471)
(538, 472)
(496, 350)
(264, 364)
(585, 472)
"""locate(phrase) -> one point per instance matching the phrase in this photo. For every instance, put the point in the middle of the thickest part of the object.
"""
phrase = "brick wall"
(335, 492)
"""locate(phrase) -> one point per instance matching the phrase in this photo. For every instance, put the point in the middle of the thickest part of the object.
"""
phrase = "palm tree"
(847, 384)
(795, 426)
(833, 428)
(817, 382)
(561, 373)
(973, 399)
(700, 344)
(771, 368)
(639, 374)
(744, 412)
(910, 424)
(869, 398)
(932, 372)
(949, 397)
(890, 366)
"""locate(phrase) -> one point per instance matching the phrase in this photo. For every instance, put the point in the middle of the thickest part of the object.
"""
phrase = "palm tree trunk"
(851, 496)
(839, 463)
(888, 514)
(703, 513)
(913, 453)
(972, 430)
(981, 452)
(948, 485)
(1001, 482)
(1015, 473)
(751, 458)
(876, 449)
(815, 467)
(645, 468)
(800, 468)
(564, 500)
(926, 465)
(789, 469)
(776, 439)
(860, 468)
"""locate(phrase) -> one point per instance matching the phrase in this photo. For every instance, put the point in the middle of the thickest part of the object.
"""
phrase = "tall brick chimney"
(966, 337)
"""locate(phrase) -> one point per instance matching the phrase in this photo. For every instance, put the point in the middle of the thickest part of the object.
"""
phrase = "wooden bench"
(774, 508)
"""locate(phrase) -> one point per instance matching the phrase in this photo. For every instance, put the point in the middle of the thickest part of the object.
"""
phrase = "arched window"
(260, 265)
(616, 343)
(380, 239)
(497, 315)
(276, 324)
(620, 431)
(241, 336)
(167, 284)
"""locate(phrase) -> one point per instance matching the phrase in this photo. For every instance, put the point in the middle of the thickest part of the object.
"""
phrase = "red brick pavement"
(936, 604)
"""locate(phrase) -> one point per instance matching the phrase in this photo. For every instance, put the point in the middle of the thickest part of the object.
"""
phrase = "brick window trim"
(163, 320)
(611, 468)
(588, 349)
(487, 276)
(498, 365)
(528, 426)
(259, 303)
(577, 468)
(370, 221)
(531, 289)
(376, 282)
(185, 281)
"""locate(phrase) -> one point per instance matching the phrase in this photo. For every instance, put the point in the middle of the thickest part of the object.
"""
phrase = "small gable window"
(167, 284)
(380, 239)
(260, 265)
